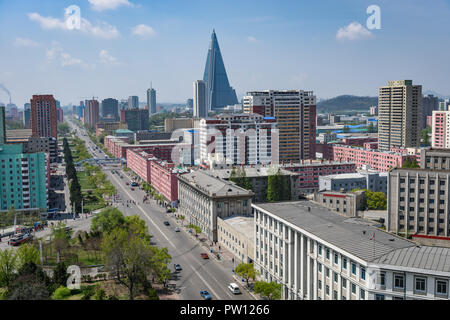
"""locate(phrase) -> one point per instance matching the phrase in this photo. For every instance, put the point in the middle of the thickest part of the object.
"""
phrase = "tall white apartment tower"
(200, 99)
(399, 115)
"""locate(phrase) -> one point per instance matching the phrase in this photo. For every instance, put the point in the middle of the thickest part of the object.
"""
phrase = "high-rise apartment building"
(92, 113)
(43, 116)
(133, 102)
(26, 115)
(151, 100)
(429, 104)
(24, 180)
(295, 113)
(399, 115)
(110, 108)
(190, 103)
(2, 125)
(136, 119)
(200, 99)
(239, 139)
(440, 130)
(444, 105)
(220, 93)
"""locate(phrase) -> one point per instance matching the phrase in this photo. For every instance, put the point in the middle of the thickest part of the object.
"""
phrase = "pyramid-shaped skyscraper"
(220, 93)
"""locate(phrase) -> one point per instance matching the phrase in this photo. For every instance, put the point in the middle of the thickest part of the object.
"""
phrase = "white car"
(234, 288)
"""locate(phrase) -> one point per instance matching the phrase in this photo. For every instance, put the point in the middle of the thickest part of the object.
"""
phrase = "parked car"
(204, 255)
(127, 183)
(177, 229)
(177, 267)
(134, 184)
(205, 295)
(166, 223)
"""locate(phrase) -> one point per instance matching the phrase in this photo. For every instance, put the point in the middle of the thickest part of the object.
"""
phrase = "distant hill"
(347, 102)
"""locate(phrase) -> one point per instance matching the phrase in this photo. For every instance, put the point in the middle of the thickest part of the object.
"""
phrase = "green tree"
(410, 162)
(60, 274)
(28, 288)
(270, 290)
(8, 267)
(425, 135)
(160, 259)
(246, 271)
(278, 187)
(129, 256)
(107, 220)
(63, 128)
(61, 293)
(27, 253)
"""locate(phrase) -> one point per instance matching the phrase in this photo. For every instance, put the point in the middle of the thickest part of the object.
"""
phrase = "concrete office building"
(172, 124)
(438, 159)
(110, 108)
(203, 198)
(24, 179)
(239, 138)
(430, 103)
(418, 204)
(345, 203)
(236, 234)
(370, 180)
(151, 100)
(201, 107)
(43, 116)
(295, 112)
(444, 105)
(316, 254)
(399, 115)
(133, 102)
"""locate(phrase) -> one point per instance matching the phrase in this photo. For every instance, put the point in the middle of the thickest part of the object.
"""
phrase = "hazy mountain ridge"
(347, 102)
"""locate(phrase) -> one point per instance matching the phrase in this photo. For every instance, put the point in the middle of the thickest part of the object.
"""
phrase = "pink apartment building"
(162, 175)
(377, 160)
(440, 129)
(118, 147)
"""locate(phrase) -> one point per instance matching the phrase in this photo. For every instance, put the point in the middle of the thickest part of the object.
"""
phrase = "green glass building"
(24, 179)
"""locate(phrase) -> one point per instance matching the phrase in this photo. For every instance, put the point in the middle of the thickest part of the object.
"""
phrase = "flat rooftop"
(212, 186)
(349, 234)
(242, 224)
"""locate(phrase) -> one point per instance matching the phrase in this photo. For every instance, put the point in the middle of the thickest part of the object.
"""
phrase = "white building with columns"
(318, 255)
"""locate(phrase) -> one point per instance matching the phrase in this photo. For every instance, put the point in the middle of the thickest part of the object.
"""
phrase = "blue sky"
(123, 45)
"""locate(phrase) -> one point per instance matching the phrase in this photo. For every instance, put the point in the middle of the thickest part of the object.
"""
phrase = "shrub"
(100, 294)
(152, 294)
(61, 293)
(88, 292)
(112, 297)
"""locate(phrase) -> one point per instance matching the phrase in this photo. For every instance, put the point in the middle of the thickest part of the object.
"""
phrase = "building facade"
(203, 198)
(24, 179)
(173, 124)
(43, 116)
(377, 160)
(430, 103)
(239, 138)
(201, 106)
(110, 108)
(418, 204)
(437, 159)
(399, 115)
(345, 203)
(136, 119)
(235, 233)
(295, 112)
(373, 181)
(316, 254)
(133, 102)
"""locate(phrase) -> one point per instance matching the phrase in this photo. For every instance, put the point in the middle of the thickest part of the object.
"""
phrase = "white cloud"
(143, 30)
(23, 42)
(354, 31)
(100, 5)
(252, 39)
(106, 58)
(101, 30)
(56, 53)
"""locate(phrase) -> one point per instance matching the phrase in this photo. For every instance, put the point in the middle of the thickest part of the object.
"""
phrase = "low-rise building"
(203, 198)
(236, 234)
(345, 203)
(378, 160)
(316, 254)
(438, 159)
(364, 179)
(148, 135)
(173, 124)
